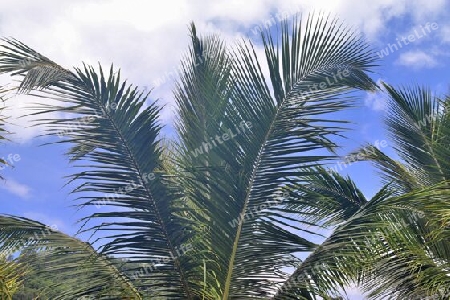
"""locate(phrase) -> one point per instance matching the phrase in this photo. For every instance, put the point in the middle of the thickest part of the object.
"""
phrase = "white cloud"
(17, 109)
(16, 188)
(147, 40)
(376, 101)
(416, 59)
(419, 33)
(423, 9)
(445, 33)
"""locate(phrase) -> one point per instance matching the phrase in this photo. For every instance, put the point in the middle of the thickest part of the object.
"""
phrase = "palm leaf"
(11, 274)
(414, 125)
(402, 259)
(395, 173)
(380, 249)
(65, 257)
(115, 139)
(285, 133)
(235, 184)
(202, 95)
(325, 197)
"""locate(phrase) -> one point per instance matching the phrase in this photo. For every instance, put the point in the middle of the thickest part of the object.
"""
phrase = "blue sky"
(147, 42)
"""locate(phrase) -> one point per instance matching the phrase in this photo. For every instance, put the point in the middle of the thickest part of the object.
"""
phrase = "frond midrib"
(252, 180)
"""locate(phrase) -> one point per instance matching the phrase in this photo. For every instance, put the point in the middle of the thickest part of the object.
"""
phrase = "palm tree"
(222, 211)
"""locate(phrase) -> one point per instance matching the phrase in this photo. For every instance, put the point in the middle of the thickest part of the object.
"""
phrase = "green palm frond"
(418, 123)
(115, 139)
(202, 95)
(398, 175)
(37, 70)
(325, 197)
(380, 248)
(269, 138)
(415, 123)
(66, 257)
(280, 144)
(11, 274)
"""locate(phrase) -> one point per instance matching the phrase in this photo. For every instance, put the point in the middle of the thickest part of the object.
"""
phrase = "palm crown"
(222, 211)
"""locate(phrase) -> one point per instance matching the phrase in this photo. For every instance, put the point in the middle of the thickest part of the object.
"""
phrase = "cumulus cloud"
(445, 34)
(416, 59)
(147, 41)
(16, 188)
(375, 101)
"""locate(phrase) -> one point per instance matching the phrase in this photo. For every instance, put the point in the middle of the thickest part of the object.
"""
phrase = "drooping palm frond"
(266, 139)
(398, 175)
(66, 258)
(37, 70)
(325, 197)
(116, 140)
(418, 124)
(392, 252)
(380, 248)
(416, 121)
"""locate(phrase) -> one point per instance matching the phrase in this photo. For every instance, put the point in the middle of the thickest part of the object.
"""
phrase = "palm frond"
(115, 140)
(202, 95)
(11, 274)
(380, 248)
(398, 175)
(325, 197)
(286, 130)
(66, 257)
(267, 139)
(413, 122)
(38, 71)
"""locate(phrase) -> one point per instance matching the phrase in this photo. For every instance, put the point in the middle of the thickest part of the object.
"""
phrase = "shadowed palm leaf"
(121, 164)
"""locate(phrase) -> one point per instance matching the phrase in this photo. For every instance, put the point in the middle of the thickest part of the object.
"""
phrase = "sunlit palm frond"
(11, 274)
(65, 257)
(381, 249)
